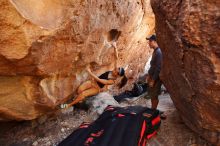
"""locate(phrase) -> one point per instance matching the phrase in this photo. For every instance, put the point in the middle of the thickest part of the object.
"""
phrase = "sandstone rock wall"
(188, 33)
(45, 46)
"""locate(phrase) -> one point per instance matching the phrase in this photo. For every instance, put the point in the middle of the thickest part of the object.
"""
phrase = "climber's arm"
(103, 81)
(115, 54)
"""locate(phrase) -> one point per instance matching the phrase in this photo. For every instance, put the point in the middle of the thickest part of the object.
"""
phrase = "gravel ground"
(49, 131)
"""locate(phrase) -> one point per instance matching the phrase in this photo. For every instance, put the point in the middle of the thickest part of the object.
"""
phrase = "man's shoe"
(162, 115)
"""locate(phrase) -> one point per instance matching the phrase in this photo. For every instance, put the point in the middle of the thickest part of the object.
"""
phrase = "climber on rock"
(100, 84)
(153, 78)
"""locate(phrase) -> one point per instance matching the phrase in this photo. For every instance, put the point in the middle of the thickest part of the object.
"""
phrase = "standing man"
(153, 78)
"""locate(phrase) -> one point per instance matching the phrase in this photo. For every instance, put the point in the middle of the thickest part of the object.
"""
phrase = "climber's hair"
(124, 80)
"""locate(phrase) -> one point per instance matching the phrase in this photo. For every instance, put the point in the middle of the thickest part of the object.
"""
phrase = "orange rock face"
(188, 33)
(45, 46)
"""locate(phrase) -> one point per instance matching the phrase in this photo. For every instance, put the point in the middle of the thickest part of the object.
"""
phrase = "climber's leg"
(90, 92)
(84, 86)
(81, 88)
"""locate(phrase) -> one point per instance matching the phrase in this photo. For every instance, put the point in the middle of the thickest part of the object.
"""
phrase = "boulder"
(45, 46)
(188, 34)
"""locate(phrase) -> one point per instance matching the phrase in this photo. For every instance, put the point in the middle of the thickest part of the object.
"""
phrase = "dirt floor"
(49, 131)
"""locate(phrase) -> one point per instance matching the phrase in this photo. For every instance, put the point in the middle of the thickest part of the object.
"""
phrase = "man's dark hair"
(152, 38)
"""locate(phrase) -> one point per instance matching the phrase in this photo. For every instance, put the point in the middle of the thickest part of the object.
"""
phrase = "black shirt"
(103, 76)
(155, 64)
